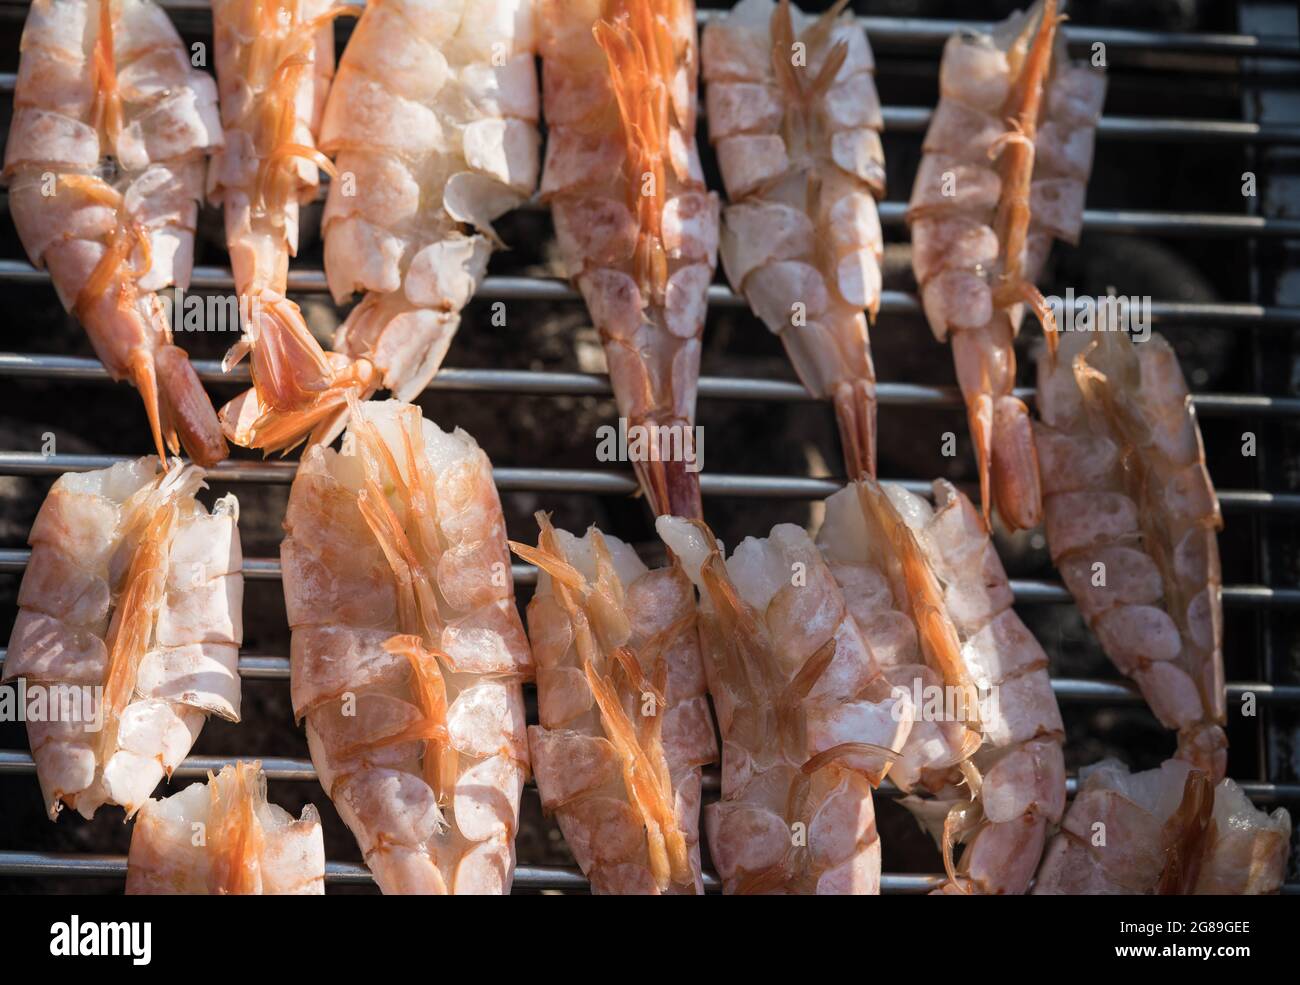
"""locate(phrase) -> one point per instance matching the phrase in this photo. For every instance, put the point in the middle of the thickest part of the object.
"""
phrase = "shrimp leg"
(795, 118)
(636, 227)
(105, 159)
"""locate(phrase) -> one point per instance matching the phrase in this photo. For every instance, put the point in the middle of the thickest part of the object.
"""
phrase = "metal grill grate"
(1277, 690)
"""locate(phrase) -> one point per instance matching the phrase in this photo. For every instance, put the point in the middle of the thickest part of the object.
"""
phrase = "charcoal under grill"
(1250, 57)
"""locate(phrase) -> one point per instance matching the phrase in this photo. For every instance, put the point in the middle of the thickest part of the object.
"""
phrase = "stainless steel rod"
(18, 365)
(595, 481)
(302, 281)
(266, 667)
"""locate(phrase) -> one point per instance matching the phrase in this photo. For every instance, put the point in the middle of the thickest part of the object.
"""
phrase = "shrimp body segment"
(274, 61)
(132, 598)
(929, 594)
(249, 847)
(809, 725)
(625, 722)
(1131, 523)
(636, 226)
(105, 161)
(408, 653)
(1171, 831)
(432, 122)
(1004, 169)
(795, 118)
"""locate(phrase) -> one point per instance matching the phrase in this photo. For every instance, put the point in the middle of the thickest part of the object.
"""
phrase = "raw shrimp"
(809, 724)
(625, 723)
(795, 118)
(1131, 522)
(110, 134)
(248, 847)
(433, 124)
(636, 227)
(274, 61)
(1006, 161)
(929, 595)
(408, 653)
(1166, 831)
(131, 608)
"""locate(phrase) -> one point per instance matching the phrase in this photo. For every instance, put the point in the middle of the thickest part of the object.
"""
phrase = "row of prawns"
(822, 657)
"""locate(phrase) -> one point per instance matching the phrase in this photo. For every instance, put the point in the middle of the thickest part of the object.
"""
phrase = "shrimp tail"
(673, 489)
(180, 413)
(855, 412)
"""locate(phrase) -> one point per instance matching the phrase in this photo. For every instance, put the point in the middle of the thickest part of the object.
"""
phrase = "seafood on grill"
(432, 124)
(129, 627)
(105, 159)
(1166, 831)
(224, 838)
(982, 764)
(1004, 170)
(408, 653)
(794, 116)
(625, 722)
(274, 61)
(636, 227)
(809, 723)
(1131, 518)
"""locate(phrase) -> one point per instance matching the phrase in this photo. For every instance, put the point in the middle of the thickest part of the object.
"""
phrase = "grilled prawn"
(625, 723)
(408, 653)
(809, 724)
(132, 597)
(1167, 831)
(929, 595)
(274, 61)
(1131, 523)
(110, 134)
(223, 838)
(636, 226)
(795, 118)
(1005, 166)
(432, 122)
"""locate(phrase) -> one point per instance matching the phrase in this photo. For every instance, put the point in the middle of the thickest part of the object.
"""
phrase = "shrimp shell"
(1128, 497)
(134, 590)
(249, 847)
(636, 226)
(274, 61)
(1004, 169)
(1169, 831)
(797, 134)
(929, 595)
(808, 721)
(433, 123)
(104, 162)
(625, 722)
(408, 654)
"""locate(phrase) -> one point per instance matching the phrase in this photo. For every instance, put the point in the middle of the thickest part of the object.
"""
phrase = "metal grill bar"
(596, 481)
(1236, 315)
(915, 119)
(261, 667)
(1027, 591)
(20, 365)
(922, 31)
